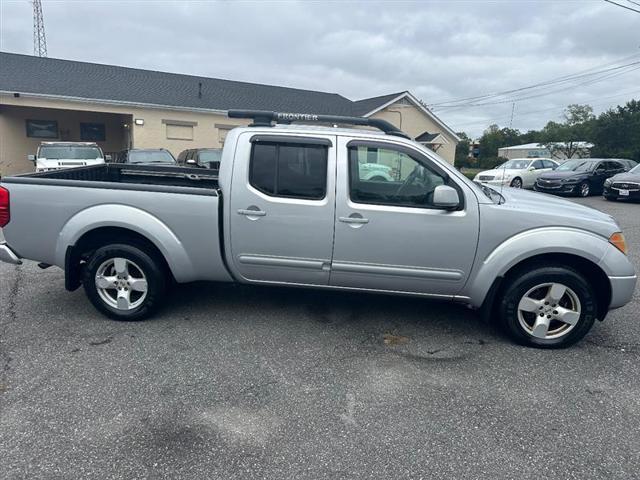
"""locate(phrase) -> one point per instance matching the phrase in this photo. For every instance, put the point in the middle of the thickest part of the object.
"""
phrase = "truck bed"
(129, 177)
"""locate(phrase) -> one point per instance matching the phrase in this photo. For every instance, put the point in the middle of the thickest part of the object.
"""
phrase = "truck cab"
(59, 155)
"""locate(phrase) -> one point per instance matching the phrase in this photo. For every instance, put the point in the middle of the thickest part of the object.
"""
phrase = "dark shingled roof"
(49, 76)
(366, 105)
(426, 137)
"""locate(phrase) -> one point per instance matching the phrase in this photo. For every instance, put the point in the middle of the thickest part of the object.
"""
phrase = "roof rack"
(264, 118)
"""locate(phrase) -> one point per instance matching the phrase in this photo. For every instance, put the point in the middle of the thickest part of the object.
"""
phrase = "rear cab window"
(290, 169)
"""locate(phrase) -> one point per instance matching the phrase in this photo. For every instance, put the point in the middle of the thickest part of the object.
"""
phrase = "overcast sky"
(439, 50)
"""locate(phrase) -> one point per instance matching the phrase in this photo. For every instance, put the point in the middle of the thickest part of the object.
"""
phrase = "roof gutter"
(117, 103)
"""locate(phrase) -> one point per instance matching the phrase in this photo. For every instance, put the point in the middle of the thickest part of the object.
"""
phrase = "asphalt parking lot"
(242, 382)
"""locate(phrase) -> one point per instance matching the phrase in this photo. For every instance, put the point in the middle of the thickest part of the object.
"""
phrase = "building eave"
(116, 103)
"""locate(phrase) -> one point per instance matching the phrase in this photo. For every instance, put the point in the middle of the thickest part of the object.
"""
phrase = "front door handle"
(251, 213)
(358, 219)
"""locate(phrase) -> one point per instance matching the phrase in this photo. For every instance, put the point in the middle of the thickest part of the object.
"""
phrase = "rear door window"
(289, 170)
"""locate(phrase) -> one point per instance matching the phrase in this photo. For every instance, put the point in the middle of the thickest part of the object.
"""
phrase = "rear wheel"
(516, 182)
(548, 307)
(124, 282)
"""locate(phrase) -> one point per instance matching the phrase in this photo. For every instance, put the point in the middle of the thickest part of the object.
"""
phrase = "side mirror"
(191, 161)
(31, 158)
(445, 196)
(531, 169)
(107, 158)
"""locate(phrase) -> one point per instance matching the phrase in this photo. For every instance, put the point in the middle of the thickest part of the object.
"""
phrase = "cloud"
(437, 49)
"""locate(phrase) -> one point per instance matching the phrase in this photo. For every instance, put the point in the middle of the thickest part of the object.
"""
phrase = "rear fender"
(129, 218)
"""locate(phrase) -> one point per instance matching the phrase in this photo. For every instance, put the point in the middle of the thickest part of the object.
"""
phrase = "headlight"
(608, 182)
(570, 180)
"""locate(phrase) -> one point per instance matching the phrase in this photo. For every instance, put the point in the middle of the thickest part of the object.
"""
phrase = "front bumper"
(559, 189)
(611, 192)
(622, 289)
(8, 256)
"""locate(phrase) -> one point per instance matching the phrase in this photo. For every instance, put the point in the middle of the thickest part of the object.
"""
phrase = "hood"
(498, 172)
(536, 209)
(555, 175)
(626, 177)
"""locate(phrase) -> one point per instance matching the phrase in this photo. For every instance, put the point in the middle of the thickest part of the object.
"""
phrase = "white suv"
(58, 155)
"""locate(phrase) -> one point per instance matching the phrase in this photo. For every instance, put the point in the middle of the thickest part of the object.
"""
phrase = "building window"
(42, 128)
(179, 132)
(179, 129)
(92, 132)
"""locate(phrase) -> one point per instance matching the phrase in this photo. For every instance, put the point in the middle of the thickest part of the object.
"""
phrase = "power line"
(635, 3)
(559, 80)
(622, 6)
(636, 66)
(551, 109)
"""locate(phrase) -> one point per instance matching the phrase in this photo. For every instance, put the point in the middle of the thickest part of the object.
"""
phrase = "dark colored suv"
(201, 157)
(581, 177)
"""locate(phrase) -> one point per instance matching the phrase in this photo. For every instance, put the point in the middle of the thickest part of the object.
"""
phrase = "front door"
(282, 208)
(388, 234)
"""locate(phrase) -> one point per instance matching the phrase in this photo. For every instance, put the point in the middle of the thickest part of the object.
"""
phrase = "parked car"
(517, 173)
(146, 156)
(201, 158)
(628, 164)
(291, 207)
(57, 155)
(623, 186)
(581, 177)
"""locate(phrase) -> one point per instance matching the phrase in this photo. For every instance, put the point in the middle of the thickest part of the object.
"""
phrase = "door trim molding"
(396, 271)
(264, 261)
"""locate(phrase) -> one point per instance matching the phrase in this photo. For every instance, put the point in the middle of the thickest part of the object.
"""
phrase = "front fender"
(539, 241)
(130, 218)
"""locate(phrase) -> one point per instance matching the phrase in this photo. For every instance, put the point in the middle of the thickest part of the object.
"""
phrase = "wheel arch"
(103, 224)
(590, 270)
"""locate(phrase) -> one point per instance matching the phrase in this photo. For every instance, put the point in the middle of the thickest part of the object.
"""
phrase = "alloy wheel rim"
(121, 284)
(584, 189)
(549, 311)
(517, 183)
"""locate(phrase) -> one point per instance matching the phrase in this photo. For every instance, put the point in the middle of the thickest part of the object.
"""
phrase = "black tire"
(610, 198)
(516, 183)
(584, 190)
(151, 267)
(520, 284)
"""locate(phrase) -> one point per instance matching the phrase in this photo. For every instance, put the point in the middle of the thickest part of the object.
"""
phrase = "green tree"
(462, 151)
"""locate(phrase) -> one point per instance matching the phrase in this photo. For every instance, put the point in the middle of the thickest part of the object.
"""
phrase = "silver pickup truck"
(292, 206)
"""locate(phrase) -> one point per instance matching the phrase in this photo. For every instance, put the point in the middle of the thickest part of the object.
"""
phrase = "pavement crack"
(104, 341)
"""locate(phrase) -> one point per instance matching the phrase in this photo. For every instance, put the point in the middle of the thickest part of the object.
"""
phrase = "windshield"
(69, 152)
(209, 156)
(151, 156)
(515, 165)
(576, 166)
(635, 170)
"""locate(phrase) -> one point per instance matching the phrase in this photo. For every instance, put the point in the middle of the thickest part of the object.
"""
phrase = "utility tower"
(39, 39)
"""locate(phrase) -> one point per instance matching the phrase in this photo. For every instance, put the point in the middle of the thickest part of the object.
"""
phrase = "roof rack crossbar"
(264, 118)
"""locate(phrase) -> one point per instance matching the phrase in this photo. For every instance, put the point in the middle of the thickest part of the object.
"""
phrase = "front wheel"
(584, 189)
(548, 307)
(124, 282)
(516, 183)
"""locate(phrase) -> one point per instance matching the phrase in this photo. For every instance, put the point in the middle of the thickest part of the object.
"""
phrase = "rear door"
(389, 235)
(282, 208)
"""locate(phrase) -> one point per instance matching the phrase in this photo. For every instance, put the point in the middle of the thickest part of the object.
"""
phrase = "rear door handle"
(251, 213)
(353, 220)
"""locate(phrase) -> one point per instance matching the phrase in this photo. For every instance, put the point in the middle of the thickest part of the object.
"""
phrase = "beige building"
(44, 99)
